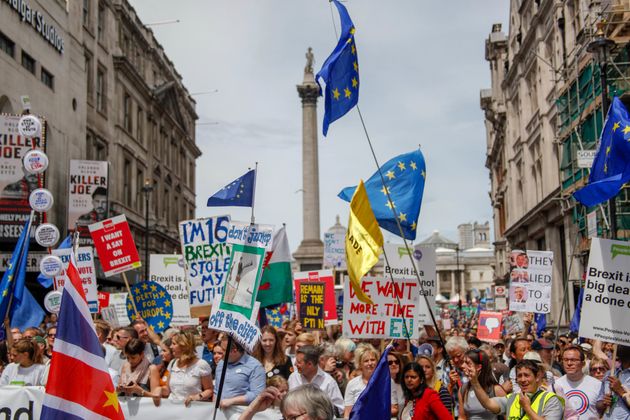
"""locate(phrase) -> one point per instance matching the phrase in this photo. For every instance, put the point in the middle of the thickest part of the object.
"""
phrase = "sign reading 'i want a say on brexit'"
(115, 246)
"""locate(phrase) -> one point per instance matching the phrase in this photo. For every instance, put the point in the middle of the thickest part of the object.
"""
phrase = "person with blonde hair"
(434, 382)
(305, 339)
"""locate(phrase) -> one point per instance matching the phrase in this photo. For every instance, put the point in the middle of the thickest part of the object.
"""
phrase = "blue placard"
(154, 304)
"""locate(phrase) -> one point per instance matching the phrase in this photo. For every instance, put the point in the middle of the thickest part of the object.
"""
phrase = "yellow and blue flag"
(404, 180)
(238, 193)
(611, 167)
(340, 72)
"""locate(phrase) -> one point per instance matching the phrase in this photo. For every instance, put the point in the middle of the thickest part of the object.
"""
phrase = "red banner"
(490, 326)
(330, 302)
(103, 300)
(114, 245)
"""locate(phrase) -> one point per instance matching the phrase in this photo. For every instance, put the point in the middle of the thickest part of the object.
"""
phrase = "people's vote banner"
(401, 267)
(154, 304)
(85, 267)
(206, 260)
(167, 270)
(606, 298)
(394, 314)
(325, 276)
(249, 243)
(114, 245)
(334, 250)
(87, 196)
(530, 281)
(311, 305)
(490, 326)
(242, 329)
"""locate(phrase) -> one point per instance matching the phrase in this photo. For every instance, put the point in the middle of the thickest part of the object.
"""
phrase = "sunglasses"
(393, 362)
(598, 369)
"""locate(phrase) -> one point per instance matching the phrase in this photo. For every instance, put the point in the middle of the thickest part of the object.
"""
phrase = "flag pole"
(566, 285)
(131, 298)
(228, 348)
(254, 192)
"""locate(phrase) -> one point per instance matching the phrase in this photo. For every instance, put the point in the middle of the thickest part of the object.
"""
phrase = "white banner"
(530, 281)
(607, 292)
(334, 250)
(85, 266)
(241, 328)
(87, 196)
(168, 271)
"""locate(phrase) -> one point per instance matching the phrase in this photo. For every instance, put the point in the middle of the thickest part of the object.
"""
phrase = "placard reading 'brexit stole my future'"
(114, 245)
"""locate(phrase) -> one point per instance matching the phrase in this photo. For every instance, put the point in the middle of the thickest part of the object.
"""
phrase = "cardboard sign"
(513, 324)
(153, 303)
(311, 305)
(606, 298)
(240, 328)
(85, 267)
(206, 260)
(114, 245)
(118, 302)
(87, 196)
(393, 315)
(326, 276)
(490, 326)
(168, 271)
(530, 281)
(334, 250)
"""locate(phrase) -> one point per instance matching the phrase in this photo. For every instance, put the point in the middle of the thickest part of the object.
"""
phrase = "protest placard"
(334, 250)
(513, 324)
(249, 243)
(394, 313)
(85, 267)
(607, 292)
(87, 196)
(489, 328)
(167, 270)
(311, 305)
(118, 301)
(401, 267)
(325, 276)
(530, 281)
(500, 298)
(115, 246)
(239, 327)
(153, 303)
(206, 260)
(103, 300)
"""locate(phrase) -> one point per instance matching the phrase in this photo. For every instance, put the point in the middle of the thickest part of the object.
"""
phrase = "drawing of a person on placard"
(241, 279)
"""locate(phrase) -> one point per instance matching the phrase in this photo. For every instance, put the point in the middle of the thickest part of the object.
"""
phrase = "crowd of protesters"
(321, 375)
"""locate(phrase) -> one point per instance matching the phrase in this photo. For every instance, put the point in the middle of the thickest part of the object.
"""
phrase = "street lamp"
(459, 278)
(147, 189)
(600, 47)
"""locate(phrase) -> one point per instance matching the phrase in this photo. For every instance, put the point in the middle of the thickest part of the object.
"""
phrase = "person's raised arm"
(483, 397)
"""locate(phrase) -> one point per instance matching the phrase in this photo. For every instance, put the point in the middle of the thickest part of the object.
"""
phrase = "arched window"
(5, 105)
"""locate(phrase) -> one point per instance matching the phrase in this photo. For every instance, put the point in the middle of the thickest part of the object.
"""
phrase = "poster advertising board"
(401, 267)
(530, 281)
(334, 250)
(607, 292)
(490, 326)
(167, 270)
(85, 267)
(393, 315)
(115, 246)
(311, 305)
(206, 260)
(87, 196)
(15, 183)
(325, 276)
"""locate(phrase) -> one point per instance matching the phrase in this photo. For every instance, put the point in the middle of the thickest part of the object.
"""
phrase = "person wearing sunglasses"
(598, 368)
(394, 361)
(581, 390)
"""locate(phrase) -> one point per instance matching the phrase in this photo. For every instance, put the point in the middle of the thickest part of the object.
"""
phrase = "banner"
(168, 271)
(311, 305)
(530, 281)
(334, 250)
(394, 313)
(15, 183)
(239, 327)
(117, 303)
(206, 260)
(32, 261)
(87, 196)
(607, 292)
(489, 328)
(326, 276)
(85, 267)
(400, 267)
(114, 245)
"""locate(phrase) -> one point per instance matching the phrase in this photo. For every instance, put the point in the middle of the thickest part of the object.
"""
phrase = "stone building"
(543, 105)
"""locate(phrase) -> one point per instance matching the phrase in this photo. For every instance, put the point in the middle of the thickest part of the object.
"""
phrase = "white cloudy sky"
(421, 64)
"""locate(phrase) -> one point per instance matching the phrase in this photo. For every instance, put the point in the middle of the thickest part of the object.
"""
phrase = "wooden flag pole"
(133, 301)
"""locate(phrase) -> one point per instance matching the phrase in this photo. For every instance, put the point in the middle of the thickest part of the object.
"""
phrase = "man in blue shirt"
(244, 378)
(615, 392)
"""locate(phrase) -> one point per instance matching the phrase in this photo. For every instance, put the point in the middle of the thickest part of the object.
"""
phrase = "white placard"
(168, 271)
(530, 281)
(118, 301)
(585, 158)
(591, 224)
(85, 267)
(334, 250)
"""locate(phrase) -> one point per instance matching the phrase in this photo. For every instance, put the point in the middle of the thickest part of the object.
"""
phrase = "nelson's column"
(310, 253)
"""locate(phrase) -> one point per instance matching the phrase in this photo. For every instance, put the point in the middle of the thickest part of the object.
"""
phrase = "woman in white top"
(190, 378)
(23, 371)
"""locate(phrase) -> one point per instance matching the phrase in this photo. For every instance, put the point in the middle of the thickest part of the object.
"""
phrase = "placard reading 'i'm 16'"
(114, 245)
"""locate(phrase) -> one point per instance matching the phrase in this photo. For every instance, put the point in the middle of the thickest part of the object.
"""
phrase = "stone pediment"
(168, 98)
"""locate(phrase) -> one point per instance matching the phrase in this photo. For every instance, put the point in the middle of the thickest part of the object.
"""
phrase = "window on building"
(86, 13)
(127, 120)
(100, 150)
(28, 62)
(127, 178)
(140, 126)
(175, 214)
(7, 45)
(89, 78)
(155, 197)
(166, 207)
(139, 193)
(47, 78)
(101, 90)
(100, 22)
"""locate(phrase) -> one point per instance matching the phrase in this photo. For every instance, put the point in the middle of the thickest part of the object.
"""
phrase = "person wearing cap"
(581, 390)
(545, 349)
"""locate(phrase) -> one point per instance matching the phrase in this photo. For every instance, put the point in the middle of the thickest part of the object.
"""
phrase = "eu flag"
(375, 402)
(574, 326)
(611, 167)
(340, 72)
(404, 179)
(238, 193)
(8, 287)
(25, 311)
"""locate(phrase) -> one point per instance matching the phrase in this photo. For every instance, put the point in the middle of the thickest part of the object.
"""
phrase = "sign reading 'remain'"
(38, 22)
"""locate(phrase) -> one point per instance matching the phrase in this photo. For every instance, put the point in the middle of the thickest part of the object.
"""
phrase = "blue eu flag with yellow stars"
(12, 283)
(340, 72)
(611, 167)
(238, 193)
(404, 180)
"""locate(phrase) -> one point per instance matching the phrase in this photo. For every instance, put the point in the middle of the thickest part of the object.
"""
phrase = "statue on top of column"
(310, 59)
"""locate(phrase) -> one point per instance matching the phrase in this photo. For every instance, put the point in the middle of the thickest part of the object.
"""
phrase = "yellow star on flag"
(401, 166)
(390, 175)
(385, 190)
(356, 66)
(626, 130)
(160, 324)
(4, 293)
(145, 286)
(167, 303)
(167, 316)
(413, 226)
(616, 126)
(413, 165)
(355, 83)
(154, 288)
(353, 49)
(129, 307)
(112, 400)
(352, 30)
(162, 293)
(608, 150)
(390, 205)
(347, 92)
(424, 175)
(336, 93)
(402, 217)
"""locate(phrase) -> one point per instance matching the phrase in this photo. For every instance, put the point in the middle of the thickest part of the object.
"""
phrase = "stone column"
(453, 284)
(310, 253)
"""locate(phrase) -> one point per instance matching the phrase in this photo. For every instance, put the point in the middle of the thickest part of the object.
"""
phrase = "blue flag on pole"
(375, 402)
(404, 179)
(574, 326)
(47, 282)
(238, 193)
(541, 323)
(340, 72)
(611, 167)
(8, 282)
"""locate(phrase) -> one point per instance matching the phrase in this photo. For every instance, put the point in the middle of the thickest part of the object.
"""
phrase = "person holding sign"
(617, 388)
